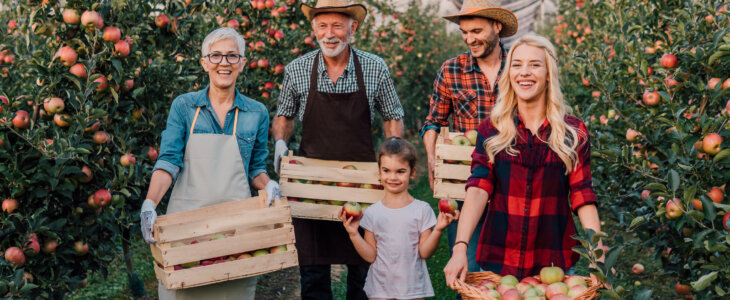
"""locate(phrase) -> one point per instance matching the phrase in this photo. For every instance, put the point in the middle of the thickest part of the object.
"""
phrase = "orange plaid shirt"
(461, 87)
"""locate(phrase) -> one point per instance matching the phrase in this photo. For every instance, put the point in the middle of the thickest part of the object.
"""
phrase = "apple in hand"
(352, 209)
(448, 206)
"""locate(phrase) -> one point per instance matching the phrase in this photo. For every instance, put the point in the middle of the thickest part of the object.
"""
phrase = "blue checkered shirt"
(378, 85)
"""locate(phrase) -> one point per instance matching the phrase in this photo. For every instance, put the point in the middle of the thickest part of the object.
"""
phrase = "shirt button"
(525, 209)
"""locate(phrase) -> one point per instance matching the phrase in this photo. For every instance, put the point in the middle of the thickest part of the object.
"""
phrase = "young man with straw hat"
(335, 92)
(466, 86)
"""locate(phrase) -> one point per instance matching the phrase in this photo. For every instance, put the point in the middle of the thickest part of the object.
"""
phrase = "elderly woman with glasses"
(214, 148)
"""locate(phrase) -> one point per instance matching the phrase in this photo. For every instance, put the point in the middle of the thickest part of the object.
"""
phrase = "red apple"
(711, 143)
(32, 247)
(245, 255)
(71, 16)
(522, 287)
(81, 248)
(121, 48)
(91, 19)
(670, 81)
(79, 70)
(161, 21)
(276, 249)
(669, 61)
(53, 105)
(49, 246)
(716, 195)
(530, 280)
(645, 194)
(152, 153)
(207, 262)
(352, 209)
(61, 120)
(101, 137)
(9, 205)
(674, 208)
(346, 184)
(102, 197)
(550, 275)
(15, 257)
(560, 297)
(112, 34)
(88, 174)
(127, 160)
(682, 289)
(574, 280)
(263, 63)
(233, 23)
(637, 269)
(556, 288)
(651, 98)
(511, 294)
(712, 83)
(103, 84)
(631, 135)
(448, 206)
(295, 162)
(726, 221)
(67, 56)
(91, 202)
(726, 84)
(697, 204)
(21, 119)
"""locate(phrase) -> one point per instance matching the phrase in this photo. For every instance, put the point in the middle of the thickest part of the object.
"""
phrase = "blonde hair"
(563, 140)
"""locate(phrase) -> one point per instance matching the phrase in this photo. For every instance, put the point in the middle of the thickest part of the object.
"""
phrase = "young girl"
(398, 236)
(530, 173)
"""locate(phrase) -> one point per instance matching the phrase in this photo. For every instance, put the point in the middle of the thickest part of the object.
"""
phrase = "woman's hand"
(445, 219)
(456, 267)
(351, 225)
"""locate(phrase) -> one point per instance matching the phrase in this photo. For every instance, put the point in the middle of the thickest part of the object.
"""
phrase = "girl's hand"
(445, 219)
(351, 226)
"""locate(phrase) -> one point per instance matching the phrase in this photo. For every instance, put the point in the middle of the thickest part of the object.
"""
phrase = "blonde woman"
(530, 172)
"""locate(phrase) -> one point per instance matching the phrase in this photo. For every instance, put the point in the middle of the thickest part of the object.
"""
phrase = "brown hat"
(490, 9)
(356, 11)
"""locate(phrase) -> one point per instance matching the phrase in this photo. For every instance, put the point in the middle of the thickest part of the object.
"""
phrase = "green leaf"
(656, 187)
(598, 236)
(643, 294)
(724, 207)
(708, 208)
(673, 179)
(612, 256)
(719, 291)
(722, 155)
(611, 294)
(636, 222)
(704, 281)
(690, 193)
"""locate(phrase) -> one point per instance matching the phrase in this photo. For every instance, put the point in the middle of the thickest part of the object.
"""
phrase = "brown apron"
(334, 127)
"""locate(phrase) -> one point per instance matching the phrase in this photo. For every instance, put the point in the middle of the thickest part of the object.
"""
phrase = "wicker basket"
(469, 291)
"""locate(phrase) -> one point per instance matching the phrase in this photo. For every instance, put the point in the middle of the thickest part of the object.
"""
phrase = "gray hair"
(222, 34)
(352, 20)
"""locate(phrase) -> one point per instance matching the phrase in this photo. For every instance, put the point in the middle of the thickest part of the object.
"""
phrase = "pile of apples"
(553, 285)
(223, 259)
(324, 202)
(469, 138)
(340, 184)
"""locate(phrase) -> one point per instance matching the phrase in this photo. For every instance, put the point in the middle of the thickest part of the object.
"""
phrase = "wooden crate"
(315, 179)
(248, 226)
(452, 167)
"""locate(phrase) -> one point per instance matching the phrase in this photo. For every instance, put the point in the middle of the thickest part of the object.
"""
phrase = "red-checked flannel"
(529, 223)
(461, 87)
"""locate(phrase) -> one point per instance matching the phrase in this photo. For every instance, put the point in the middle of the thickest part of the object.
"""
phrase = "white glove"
(280, 150)
(272, 192)
(147, 218)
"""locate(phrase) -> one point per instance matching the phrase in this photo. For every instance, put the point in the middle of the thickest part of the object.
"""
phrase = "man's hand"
(147, 218)
(272, 192)
(456, 268)
(280, 150)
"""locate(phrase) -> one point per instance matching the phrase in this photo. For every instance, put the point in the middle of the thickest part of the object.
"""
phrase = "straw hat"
(490, 9)
(356, 11)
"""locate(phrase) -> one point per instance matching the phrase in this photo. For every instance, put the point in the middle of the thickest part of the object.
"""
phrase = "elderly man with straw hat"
(466, 86)
(335, 92)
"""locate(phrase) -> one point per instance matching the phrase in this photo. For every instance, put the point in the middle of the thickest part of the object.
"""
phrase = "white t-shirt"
(398, 271)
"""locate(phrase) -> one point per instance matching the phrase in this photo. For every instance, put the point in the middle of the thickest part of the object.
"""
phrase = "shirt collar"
(521, 125)
(203, 99)
(473, 66)
(322, 67)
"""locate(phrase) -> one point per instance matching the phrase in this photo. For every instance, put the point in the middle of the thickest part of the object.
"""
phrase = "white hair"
(224, 33)
(349, 25)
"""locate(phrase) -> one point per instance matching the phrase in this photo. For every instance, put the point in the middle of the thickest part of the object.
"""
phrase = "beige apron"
(212, 173)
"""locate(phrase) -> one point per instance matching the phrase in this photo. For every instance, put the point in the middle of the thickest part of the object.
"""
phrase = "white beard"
(340, 47)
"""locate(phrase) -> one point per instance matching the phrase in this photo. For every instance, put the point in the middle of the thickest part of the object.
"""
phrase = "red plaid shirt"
(529, 223)
(462, 88)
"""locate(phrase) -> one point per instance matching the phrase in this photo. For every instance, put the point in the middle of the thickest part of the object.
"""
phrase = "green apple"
(190, 264)
(219, 236)
(509, 280)
(260, 252)
(177, 244)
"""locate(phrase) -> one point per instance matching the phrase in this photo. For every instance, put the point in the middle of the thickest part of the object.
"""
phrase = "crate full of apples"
(223, 242)
(453, 163)
(319, 189)
(551, 284)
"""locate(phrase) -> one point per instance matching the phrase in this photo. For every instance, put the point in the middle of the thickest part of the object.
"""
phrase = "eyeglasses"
(218, 58)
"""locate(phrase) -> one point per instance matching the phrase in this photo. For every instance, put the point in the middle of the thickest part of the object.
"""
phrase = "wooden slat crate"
(452, 167)
(311, 186)
(222, 233)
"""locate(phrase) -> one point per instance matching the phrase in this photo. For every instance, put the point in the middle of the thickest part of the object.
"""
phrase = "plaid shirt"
(462, 88)
(378, 85)
(529, 223)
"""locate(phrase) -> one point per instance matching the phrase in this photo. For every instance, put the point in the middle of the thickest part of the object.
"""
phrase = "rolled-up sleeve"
(386, 101)
(260, 150)
(482, 175)
(173, 140)
(581, 183)
(287, 105)
(439, 105)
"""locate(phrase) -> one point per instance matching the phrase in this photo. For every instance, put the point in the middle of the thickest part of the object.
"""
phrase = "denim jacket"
(252, 132)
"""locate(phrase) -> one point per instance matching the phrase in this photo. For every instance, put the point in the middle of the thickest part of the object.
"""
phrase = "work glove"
(272, 192)
(280, 150)
(147, 218)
